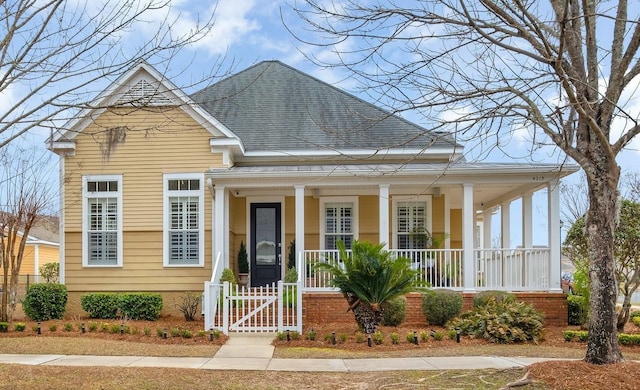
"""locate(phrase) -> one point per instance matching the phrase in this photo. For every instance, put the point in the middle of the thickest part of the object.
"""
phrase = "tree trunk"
(366, 316)
(12, 295)
(623, 316)
(602, 344)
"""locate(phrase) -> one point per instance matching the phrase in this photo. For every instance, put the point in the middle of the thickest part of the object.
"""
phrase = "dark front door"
(265, 243)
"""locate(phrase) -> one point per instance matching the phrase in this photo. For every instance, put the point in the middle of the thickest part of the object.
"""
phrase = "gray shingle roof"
(274, 107)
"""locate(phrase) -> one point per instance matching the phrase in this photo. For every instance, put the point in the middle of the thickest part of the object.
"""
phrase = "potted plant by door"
(243, 265)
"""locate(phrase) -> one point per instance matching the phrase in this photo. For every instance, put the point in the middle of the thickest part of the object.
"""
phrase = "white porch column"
(553, 216)
(487, 215)
(468, 226)
(219, 235)
(527, 220)
(505, 225)
(299, 222)
(383, 228)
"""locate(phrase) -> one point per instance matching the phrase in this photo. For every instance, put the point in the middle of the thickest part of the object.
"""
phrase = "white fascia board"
(395, 152)
(227, 143)
(447, 175)
(62, 147)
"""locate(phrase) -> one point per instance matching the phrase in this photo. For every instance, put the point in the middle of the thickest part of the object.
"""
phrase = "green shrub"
(115, 329)
(395, 338)
(634, 314)
(311, 335)
(576, 310)
(140, 306)
(294, 335)
(439, 306)
(394, 311)
(50, 272)
(186, 334)
(636, 321)
(100, 305)
(281, 336)
(53, 327)
(378, 338)
(228, 276)
(359, 337)
(68, 327)
(93, 326)
(409, 338)
(569, 335)
(424, 336)
(438, 336)
(342, 338)
(629, 339)
(291, 276)
(4, 327)
(502, 322)
(481, 298)
(19, 326)
(45, 301)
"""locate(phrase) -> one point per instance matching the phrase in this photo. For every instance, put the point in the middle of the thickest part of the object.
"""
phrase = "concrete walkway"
(254, 351)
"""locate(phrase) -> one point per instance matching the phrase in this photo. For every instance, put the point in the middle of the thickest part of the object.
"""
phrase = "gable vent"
(144, 94)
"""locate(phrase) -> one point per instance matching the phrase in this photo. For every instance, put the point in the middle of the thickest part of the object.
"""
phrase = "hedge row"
(134, 306)
(582, 335)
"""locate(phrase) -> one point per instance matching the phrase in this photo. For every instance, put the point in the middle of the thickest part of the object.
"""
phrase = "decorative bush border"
(582, 335)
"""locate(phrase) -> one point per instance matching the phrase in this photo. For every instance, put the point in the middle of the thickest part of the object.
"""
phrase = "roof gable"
(141, 86)
(275, 108)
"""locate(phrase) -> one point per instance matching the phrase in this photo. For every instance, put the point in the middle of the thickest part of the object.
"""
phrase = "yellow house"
(159, 186)
(41, 247)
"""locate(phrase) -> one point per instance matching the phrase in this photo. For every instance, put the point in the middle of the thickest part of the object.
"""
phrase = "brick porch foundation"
(321, 308)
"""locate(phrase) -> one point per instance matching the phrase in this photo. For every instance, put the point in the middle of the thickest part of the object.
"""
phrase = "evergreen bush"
(577, 313)
(140, 306)
(502, 322)
(100, 305)
(394, 311)
(45, 301)
(481, 298)
(441, 305)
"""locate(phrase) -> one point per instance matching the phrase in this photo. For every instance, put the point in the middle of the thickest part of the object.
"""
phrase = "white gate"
(274, 308)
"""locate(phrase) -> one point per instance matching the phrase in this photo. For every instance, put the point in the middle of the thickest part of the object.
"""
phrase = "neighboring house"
(42, 246)
(158, 186)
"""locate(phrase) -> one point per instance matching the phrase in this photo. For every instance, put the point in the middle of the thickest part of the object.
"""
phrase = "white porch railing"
(272, 308)
(521, 269)
(517, 269)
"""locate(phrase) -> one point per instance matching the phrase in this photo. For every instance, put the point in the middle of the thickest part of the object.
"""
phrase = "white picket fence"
(274, 308)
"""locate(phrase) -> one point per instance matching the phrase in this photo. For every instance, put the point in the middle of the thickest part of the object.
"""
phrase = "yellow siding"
(456, 228)
(368, 212)
(157, 142)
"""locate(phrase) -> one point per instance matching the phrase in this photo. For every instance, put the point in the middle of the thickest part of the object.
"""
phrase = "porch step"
(248, 345)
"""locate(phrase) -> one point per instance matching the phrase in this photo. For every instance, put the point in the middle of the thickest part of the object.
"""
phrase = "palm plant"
(368, 277)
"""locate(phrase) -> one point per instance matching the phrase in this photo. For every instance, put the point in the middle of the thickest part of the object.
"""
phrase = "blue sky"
(249, 31)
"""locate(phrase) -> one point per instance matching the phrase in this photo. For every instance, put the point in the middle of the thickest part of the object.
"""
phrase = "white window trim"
(414, 199)
(338, 199)
(85, 214)
(166, 220)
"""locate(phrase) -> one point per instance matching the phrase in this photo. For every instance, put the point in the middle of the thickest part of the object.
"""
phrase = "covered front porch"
(273, 209)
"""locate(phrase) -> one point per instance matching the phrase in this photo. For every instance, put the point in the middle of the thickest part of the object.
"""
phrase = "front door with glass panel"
(266, 246)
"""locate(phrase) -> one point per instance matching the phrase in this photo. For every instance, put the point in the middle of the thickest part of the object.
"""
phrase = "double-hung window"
(412, 224)
(183, 220)
(102, 221)
(339, 222)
